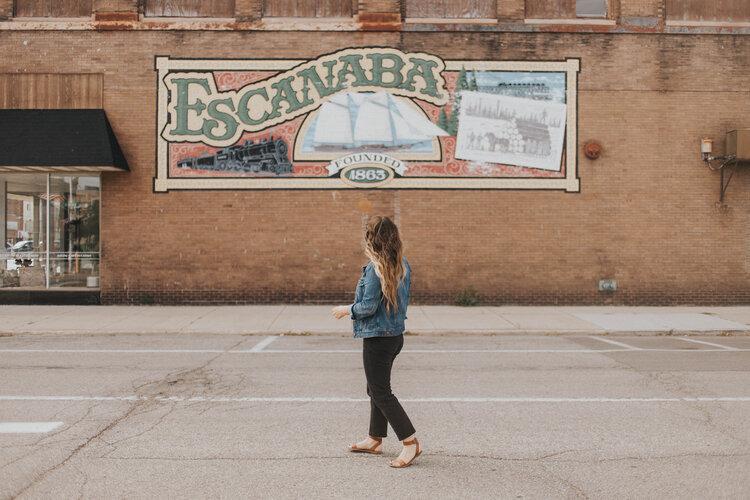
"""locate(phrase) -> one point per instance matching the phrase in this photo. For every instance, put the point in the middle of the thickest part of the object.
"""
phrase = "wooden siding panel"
(550, 9)
(189, 8)
(289, 8)
(451, 9)
(425, 8)
(471, 9)
(50, 91)
(308, 8)
(53, 8)
(334, 8)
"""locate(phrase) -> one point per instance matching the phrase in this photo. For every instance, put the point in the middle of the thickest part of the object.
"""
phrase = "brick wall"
(646, 214)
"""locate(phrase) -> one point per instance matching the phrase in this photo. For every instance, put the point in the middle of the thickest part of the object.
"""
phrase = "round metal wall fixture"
(592, 150)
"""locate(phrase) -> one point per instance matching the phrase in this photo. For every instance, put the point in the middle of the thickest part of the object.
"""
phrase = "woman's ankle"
(410, 438)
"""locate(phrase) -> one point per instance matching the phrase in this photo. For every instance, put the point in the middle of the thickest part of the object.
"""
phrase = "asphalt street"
(227, 416)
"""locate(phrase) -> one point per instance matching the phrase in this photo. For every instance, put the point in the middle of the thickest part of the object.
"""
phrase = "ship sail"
(334, 126)
(378, 119)
(416, 121)
(373, 125)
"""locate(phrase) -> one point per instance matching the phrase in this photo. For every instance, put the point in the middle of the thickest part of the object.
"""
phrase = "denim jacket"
(368, 312)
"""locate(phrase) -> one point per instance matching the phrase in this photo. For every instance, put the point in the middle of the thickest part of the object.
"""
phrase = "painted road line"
(262, 344)
(314, 351)
(71, 398)
(614, 342)
(437, 351)
(118, 351)
(28, 427)
(703, 342)
(490, 351)
(330, 399)
(359, 351)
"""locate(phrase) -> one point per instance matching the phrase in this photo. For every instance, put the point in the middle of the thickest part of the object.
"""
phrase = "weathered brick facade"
(647, 213)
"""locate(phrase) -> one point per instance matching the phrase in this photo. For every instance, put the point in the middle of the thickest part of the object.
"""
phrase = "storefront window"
(74, 230)
(51, 230)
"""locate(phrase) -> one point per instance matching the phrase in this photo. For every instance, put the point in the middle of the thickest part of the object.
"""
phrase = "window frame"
(607, 20)
(607, 7)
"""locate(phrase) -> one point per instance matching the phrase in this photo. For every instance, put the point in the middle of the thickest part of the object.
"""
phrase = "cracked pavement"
(155, 437)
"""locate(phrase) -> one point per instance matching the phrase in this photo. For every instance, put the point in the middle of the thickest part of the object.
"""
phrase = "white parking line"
(708, 343)
(28, 427)
(433, 351)
(487, 351)
(359, 351)
(614, 342)
(118, 351)
(329, 399)
(262, 344)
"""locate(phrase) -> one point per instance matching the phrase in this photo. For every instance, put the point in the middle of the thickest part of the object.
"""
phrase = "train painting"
(265, 156)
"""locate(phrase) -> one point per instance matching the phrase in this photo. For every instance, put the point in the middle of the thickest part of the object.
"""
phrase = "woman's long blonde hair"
(383, 247)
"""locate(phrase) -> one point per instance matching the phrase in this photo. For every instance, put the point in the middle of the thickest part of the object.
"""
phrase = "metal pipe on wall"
(47, 243)
(3, 208)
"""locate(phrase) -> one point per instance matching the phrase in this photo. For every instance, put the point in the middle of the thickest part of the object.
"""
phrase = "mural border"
(570, 183)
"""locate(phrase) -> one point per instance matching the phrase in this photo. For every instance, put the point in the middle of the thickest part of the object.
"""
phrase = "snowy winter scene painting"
(518, 122)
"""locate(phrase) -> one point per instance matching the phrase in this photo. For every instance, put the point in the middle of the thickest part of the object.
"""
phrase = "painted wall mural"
(366, 118)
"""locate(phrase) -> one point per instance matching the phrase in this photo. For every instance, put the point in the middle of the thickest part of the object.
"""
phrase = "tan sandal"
(398, 463)
(373, 450)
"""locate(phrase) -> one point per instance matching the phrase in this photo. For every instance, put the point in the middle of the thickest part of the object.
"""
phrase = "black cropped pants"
(378, 354)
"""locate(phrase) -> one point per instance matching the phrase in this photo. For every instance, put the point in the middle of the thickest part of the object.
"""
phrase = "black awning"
(58, 140)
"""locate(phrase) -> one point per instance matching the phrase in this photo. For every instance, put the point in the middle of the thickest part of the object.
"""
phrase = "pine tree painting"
(462, 84)
(443, 120)
(452, 128)
(449, 121)
(473, 81)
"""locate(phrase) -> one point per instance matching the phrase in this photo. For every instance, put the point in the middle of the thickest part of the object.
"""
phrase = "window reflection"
(74, 230)
(25, 209)
(71, 259)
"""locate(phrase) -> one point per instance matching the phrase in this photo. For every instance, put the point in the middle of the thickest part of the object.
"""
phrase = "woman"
(378, 312)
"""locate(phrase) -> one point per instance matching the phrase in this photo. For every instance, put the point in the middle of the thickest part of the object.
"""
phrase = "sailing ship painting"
(372, 121)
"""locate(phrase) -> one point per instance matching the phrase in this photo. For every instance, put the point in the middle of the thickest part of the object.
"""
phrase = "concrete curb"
(264, 320)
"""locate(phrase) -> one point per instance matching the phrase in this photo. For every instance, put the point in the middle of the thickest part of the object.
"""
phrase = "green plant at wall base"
(467, 298)
(147, 298)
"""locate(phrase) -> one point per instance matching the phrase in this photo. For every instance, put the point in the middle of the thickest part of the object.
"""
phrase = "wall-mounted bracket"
(726, 161)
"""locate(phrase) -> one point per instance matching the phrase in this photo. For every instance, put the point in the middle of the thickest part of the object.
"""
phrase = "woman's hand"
(340, 311)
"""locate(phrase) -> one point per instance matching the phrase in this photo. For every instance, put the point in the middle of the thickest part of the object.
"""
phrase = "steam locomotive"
(268, 155)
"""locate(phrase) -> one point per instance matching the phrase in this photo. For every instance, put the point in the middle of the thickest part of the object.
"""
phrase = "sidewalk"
(422, 320)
